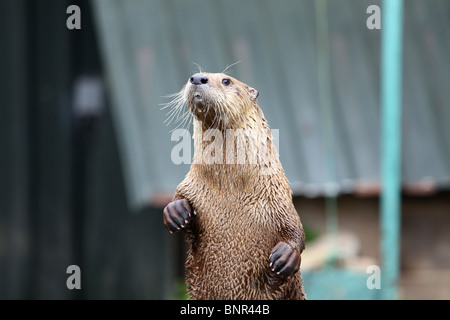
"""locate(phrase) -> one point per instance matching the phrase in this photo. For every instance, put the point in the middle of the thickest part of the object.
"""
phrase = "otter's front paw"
(284, 259)
(177, 215)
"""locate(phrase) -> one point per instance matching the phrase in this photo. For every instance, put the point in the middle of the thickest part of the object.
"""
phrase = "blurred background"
(85, 165)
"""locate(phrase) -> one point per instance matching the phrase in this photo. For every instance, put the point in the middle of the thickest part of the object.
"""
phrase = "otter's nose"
(198, 78)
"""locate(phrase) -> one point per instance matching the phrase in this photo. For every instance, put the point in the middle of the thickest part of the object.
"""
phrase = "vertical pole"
(327, 125)
(391, 93)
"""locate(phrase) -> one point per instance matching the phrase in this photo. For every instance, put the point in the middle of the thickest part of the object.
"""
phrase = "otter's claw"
(177, 215)
(284, 259)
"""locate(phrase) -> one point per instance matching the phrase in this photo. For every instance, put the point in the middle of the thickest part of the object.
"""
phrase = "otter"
(244, 235)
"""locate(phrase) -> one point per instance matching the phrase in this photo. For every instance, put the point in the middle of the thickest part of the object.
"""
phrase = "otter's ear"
(253, 93)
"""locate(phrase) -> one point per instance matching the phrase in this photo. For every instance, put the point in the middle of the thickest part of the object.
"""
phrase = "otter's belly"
(230, 255)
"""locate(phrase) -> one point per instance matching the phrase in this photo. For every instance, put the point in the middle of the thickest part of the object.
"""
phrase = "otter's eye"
(226, 82)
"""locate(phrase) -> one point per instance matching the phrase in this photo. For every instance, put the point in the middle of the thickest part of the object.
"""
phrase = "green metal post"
(326, 113)
(391, 94)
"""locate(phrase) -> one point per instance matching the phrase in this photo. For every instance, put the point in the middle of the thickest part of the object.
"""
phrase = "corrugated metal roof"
(149, 48)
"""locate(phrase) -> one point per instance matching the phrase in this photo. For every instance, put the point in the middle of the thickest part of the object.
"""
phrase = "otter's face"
(218, 98)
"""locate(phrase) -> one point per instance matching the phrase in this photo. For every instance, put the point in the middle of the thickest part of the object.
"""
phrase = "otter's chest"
(228, 217)
(229, 206)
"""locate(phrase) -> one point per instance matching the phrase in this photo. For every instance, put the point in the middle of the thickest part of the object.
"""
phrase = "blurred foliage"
(180, 290)
(310, 233)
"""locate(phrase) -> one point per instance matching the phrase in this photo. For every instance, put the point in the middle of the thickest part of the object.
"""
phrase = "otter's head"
(220, 100)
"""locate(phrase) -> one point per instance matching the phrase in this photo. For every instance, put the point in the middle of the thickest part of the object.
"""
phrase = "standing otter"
(235, 204)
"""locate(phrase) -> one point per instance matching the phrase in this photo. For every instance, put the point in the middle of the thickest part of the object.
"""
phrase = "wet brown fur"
(241, 213)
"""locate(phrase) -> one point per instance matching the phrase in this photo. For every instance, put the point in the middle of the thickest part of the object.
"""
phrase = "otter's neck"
(235, 153)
